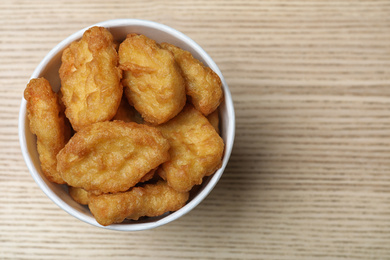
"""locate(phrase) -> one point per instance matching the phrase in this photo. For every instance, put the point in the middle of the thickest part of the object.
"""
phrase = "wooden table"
(309, 176)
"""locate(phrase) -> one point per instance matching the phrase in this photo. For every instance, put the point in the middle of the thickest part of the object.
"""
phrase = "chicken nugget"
(111, 156)
(79, 195)
(196, 149)
(203, 84)
(90, 78)
(152, 79)
(151, 200)
(48, 123)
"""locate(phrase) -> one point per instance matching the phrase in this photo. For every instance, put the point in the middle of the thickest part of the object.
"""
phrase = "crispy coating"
(79, 195)
(152, 79)
(127, 113)
(90, 78)
(48, 123)
(151, 200)
(111, 156)
(203, 84)
(196, 149)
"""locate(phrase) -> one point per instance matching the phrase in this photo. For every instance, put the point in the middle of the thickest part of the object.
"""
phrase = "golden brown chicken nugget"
(79, 195)
(48, 123)
(196, 149)
(111, 156)
(90, 78)
(151, 200)
(152, 79)
(203, 84)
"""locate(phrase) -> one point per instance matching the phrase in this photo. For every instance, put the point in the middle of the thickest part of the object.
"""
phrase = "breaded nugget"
(127, 113)
(111, 156)
(48, 123)
(152, 79)
(151, 200)
(203, 84)
(79, 195)
(196, 149)
(90, 78)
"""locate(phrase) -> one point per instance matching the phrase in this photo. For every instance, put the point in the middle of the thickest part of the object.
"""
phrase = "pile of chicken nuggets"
(134, 128)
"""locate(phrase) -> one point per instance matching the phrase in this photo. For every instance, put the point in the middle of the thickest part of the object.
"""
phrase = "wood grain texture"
(309, 177)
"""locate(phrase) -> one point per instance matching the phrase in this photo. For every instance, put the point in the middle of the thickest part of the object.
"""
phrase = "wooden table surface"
(309, 175)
